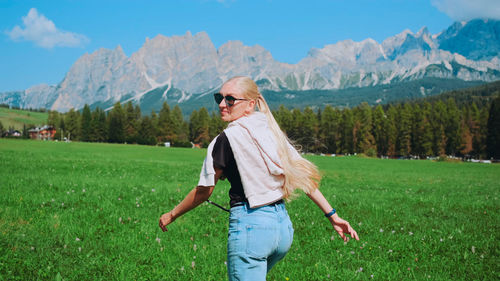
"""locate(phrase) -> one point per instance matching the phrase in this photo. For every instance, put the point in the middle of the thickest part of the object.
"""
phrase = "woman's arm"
(192, 200)
(340, 225)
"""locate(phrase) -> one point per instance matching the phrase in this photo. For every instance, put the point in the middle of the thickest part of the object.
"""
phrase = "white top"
(256, 153)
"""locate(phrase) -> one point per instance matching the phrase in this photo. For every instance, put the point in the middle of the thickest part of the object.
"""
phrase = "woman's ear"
(251, 107)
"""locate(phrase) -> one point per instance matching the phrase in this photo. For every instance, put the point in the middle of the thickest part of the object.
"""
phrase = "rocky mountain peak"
(476, 39)
(187, 66)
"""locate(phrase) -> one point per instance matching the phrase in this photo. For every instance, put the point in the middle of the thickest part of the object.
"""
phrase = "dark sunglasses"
(230, 100)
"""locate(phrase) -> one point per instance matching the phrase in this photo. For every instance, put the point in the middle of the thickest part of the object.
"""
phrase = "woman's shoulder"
(221, 138)
(221, 143)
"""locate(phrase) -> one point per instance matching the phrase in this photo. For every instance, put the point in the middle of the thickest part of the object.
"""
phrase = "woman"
(263, 169)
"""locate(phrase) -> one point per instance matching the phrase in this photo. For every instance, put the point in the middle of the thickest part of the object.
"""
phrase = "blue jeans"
(258, 238)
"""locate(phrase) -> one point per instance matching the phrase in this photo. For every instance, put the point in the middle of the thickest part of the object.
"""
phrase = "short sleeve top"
(223, 158)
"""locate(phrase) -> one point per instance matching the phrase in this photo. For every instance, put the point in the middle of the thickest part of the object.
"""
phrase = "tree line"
(416, 130)
(410, 129)
(127, 124)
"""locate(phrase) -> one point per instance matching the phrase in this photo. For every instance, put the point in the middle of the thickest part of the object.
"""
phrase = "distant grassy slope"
(17, 118)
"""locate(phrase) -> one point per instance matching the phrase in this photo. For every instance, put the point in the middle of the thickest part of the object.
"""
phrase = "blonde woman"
(263, 169)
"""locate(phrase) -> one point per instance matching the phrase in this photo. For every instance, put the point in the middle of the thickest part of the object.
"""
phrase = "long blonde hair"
(299, 172)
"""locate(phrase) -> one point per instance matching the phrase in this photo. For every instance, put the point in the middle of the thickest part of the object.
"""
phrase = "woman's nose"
(223, 104)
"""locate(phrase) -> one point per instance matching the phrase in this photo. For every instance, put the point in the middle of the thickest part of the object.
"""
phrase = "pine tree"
(116, 121)
(137, 120)
(25, 133)
(193, 125)
(202, 134)
(309, 129)
(284, 118)
(62, 127)
(493, 133)
(329, 130)
(475, 130)
(86, 123)
(427, 137)
(356, 137)
(216, 125)
(438, 120)
(184, 140)
(483, 131)
(98, 126)
(404, 130)
(347, 130)
(154, 124)
(165, 124)
(132, 123)
(295, 133)
(147, 134)
(181, 129)
(417, 132)
(379, 130)
(452, 128)
(466, 138)
(365, 140)
(54, 120)
(72, 123)
(137, 112)
(391, 130)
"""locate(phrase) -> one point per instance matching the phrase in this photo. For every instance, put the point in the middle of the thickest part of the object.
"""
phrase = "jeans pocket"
(261, 240)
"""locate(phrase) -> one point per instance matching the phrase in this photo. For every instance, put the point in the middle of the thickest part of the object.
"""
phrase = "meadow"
(82, 211)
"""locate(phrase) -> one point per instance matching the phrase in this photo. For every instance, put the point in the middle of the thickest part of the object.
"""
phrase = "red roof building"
(42, 133)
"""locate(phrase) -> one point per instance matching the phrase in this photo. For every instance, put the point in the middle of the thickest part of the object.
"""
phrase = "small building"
(12, 133)
(42, 133)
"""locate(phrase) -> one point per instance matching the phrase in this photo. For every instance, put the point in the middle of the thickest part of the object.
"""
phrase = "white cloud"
(44, 33)
(469, 9)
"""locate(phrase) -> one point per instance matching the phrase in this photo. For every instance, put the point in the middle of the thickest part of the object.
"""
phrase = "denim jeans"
(258, 238)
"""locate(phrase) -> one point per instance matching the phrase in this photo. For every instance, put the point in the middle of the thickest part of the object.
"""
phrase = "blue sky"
(40, 40)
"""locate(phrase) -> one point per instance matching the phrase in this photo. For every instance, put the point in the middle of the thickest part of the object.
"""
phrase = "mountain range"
(186, 69)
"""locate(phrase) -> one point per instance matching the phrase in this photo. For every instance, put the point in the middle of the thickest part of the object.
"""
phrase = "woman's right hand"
(343, 227)
(165, 220)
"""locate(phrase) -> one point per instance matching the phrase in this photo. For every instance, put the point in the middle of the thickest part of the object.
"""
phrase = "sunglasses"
(230, 100)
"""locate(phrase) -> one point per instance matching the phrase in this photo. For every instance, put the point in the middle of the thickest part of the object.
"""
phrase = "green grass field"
(17, 118)
(79, 211)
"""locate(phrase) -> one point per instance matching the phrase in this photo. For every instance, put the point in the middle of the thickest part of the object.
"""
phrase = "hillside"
(350, 97)
(480, 95)
(380, 94)
(17, 118)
